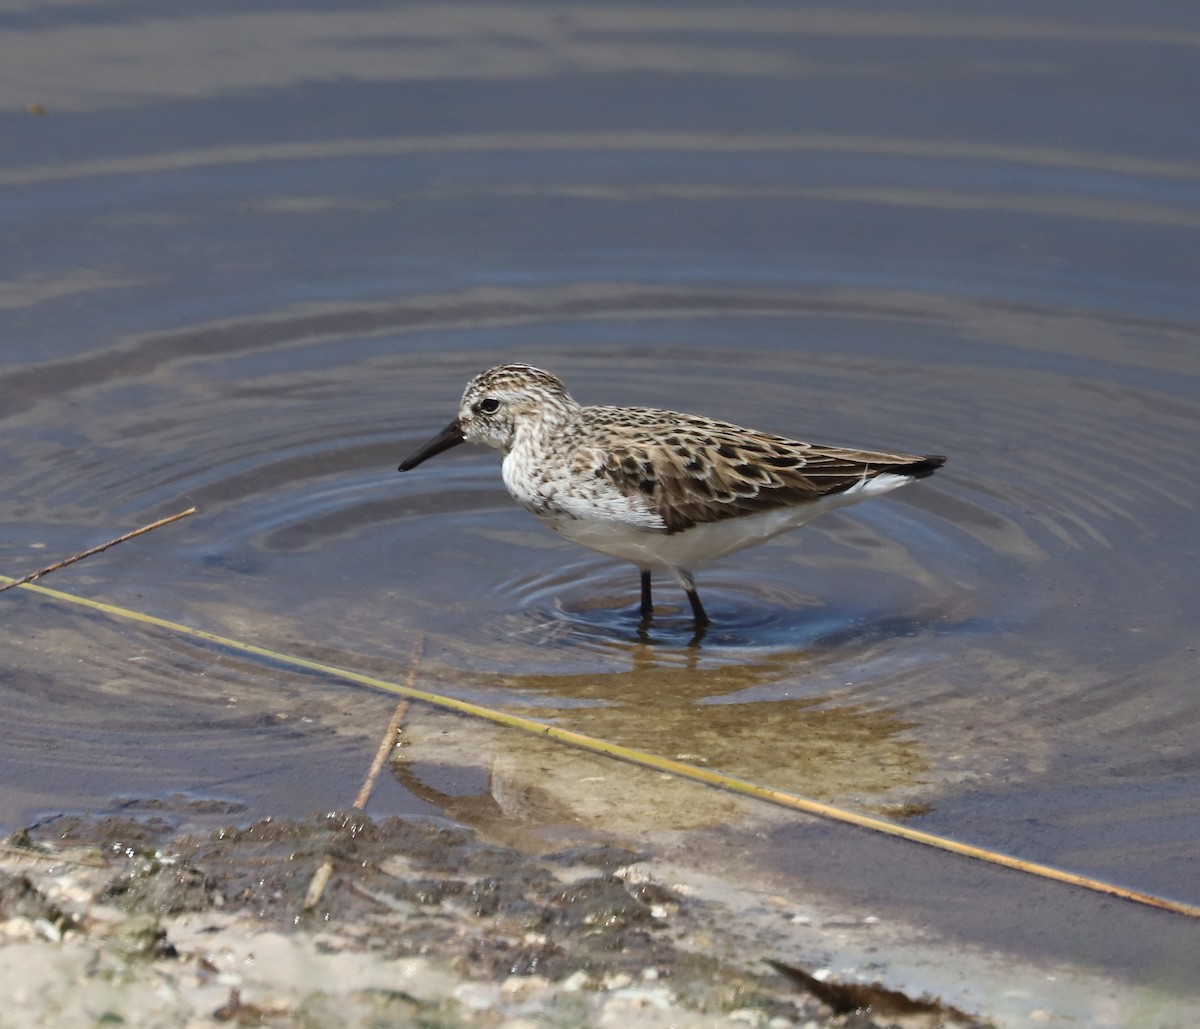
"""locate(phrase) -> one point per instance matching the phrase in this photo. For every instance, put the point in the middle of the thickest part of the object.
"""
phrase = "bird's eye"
(489, 405)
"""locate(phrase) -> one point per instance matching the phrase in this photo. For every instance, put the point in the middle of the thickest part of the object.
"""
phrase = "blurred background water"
(251, 254)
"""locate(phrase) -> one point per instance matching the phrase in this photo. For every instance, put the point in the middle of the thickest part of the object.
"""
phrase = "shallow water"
(252, 276)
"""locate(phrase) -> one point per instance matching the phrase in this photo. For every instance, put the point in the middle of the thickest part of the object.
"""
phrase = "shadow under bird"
(668, 491)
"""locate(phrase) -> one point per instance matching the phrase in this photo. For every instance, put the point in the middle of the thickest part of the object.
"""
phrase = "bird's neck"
(540, 428)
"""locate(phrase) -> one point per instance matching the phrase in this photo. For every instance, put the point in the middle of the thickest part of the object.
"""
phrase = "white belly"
(693, 548)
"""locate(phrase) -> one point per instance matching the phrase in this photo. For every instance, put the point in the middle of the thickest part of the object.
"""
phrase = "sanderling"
(667, 491)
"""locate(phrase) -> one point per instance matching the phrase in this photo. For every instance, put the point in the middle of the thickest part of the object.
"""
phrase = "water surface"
(252, 257)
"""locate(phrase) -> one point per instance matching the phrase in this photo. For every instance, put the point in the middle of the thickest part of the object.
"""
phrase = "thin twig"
(386, 746)
(390, 737)
(392, 734)
(56, 856)
(96, 550)
(317, 884)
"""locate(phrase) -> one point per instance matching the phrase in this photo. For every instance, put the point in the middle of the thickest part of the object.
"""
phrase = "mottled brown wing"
(707, 471)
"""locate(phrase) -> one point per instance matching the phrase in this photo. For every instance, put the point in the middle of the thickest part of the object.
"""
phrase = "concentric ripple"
(301, 509)
(254, 285)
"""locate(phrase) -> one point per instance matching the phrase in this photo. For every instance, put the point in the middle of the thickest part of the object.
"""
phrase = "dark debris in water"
(598, 855)
(872, 999)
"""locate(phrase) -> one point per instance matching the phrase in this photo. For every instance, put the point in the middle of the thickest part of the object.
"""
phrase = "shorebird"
(667, 491)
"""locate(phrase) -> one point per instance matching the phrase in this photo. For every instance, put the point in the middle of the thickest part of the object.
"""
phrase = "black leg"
(688, 581)
(647, 600)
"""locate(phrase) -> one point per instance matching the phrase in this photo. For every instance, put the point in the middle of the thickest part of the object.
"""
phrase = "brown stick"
(96, 550)
(320, 878)
(392, 734)
(381, 755)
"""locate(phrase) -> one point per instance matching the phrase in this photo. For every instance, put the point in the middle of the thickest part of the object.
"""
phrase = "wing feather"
(693, 470)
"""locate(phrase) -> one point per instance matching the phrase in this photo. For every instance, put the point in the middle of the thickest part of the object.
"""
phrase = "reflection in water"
(124, 60)
(506, 782)
(738, 143)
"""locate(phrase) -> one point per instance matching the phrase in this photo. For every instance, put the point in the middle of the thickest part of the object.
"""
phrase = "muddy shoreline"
(125, 920)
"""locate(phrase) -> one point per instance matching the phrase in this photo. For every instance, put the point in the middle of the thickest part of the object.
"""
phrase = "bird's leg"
(689, 587)
(647, 609)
